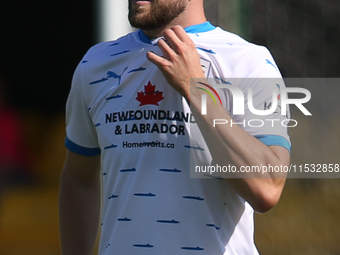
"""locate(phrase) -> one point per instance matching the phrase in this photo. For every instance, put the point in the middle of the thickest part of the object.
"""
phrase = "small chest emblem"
(150, 95)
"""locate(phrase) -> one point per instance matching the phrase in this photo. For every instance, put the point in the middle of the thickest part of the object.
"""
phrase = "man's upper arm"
(83, 168)
(80, 130)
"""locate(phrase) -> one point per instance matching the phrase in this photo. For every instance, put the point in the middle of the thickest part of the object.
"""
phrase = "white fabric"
(151, 205)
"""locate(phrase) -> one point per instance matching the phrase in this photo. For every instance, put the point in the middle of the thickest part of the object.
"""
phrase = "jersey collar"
(199, 28)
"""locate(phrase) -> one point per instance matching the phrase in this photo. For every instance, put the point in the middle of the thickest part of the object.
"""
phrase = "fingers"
(178, 38)
(181, 34)
(171, 36)
(157, 60)
(178, 44)
(167, 51)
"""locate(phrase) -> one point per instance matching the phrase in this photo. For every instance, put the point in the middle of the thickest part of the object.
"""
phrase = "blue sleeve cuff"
(85, 151)
(271, 140)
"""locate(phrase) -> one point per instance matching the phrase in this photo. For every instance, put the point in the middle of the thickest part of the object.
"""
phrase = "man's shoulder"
(127, 41)
(233, 53)
(219, 42)
(220, 36)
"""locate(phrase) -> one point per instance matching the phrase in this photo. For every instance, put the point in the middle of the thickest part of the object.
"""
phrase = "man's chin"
(144, 27)
(143, 22)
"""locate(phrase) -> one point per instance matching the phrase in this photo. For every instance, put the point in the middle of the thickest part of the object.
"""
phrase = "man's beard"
(161, 13)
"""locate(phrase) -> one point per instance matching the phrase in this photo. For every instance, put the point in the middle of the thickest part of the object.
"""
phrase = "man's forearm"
(233, 145)
(229, 143)
(79, 210)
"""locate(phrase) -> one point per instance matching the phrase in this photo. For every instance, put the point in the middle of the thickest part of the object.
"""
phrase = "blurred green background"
(41, 44)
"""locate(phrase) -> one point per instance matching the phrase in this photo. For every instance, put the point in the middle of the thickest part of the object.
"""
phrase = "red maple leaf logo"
(149, 96)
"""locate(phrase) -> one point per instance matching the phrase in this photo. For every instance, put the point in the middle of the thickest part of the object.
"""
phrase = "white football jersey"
(121, 106)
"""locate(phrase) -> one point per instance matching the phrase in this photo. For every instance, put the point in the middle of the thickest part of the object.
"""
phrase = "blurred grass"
(305, 221)
(29, 212)
(307, 218)
(29, 221)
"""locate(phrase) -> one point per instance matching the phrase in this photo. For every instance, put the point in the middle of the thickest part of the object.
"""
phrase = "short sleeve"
(81, 137)
(261, 83)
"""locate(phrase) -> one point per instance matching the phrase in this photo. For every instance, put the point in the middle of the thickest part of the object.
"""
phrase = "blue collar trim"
(199, 28)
